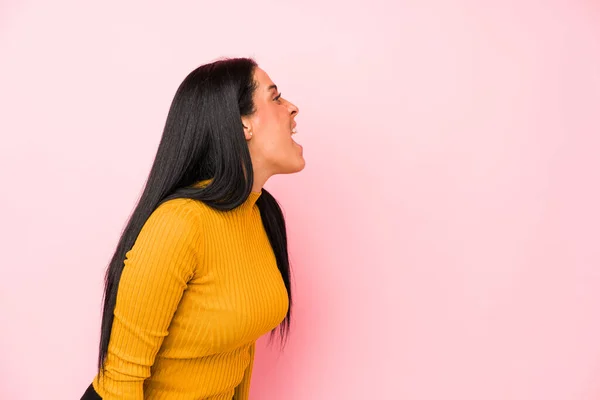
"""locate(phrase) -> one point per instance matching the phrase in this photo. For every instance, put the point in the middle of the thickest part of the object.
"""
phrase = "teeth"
(293, 131)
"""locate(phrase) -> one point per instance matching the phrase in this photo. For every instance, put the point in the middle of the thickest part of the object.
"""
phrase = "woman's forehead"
(263, 79)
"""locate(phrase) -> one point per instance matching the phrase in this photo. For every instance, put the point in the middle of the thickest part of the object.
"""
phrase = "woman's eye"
(278, 97)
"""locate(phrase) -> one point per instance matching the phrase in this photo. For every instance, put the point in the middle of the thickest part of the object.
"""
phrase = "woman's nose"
(293, 109)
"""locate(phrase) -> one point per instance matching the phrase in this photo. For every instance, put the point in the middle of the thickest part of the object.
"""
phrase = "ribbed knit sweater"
(199, 287)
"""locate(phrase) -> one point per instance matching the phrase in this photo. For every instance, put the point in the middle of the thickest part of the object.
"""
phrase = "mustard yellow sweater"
(199, 287)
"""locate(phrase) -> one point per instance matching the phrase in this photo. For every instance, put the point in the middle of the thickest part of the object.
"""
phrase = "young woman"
(201, 270)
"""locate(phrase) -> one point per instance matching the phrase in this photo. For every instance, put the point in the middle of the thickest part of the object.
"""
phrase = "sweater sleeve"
(157, 269)
(242, 391)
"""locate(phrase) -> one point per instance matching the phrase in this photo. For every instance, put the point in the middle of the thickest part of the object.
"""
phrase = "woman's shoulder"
(176, 204)
(181, 213)
(183, 204)
(185, 214)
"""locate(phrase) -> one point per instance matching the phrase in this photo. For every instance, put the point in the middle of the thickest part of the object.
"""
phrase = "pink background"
(445, 232)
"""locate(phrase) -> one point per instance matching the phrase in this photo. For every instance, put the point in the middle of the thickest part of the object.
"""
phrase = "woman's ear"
(247, 128)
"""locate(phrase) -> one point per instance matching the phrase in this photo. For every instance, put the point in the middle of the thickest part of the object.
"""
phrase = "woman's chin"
(298, 165)
(302, 164)
(297, 161)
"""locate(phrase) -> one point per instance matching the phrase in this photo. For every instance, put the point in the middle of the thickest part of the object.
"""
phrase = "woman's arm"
(157, 269)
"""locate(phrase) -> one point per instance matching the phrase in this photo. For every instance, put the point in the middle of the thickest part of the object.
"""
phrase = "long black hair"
(203, 139)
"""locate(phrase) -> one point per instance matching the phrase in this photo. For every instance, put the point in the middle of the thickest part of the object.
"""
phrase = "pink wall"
(445, 233)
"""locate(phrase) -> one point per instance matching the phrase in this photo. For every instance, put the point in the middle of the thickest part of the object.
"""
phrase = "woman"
(201, 270)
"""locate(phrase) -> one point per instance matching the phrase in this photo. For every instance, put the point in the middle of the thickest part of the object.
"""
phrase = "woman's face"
(271, 146)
